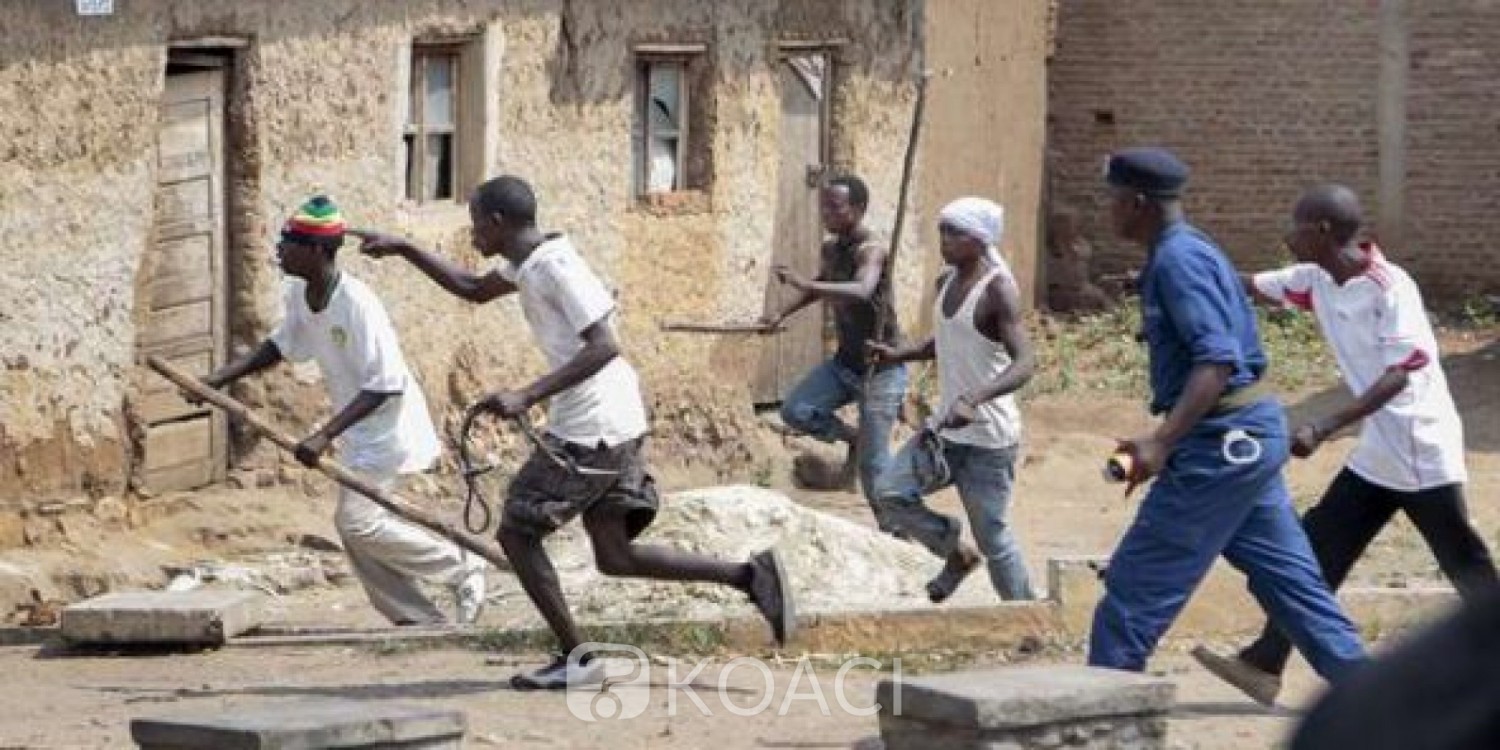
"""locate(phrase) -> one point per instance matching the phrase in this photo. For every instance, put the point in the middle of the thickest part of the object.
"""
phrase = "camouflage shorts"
(544, 495)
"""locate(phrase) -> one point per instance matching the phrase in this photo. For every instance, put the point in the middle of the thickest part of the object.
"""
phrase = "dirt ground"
(1061, 508)
(89, 702)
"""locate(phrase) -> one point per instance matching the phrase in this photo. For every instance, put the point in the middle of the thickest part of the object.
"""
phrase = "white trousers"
(389, 555)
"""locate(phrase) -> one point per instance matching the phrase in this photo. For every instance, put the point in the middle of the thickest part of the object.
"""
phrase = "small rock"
(318, 543)
(111, 510)
(185, 582)
(52, 509)
(336, 573)
(265, 478)
(286, 474)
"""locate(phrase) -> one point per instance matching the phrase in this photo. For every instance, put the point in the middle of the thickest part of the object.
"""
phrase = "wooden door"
(786, 357)
(185, 296)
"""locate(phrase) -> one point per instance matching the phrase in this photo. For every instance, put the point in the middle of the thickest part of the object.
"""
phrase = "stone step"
(306, 726)
(201, 617)
(1024, 708)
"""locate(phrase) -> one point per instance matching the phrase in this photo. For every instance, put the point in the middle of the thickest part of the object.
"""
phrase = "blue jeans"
(1201, 506)
(810, 408)
(984, 477)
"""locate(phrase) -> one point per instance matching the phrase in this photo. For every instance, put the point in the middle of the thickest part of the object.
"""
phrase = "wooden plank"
(188, 476)
(170, 291)
(176, 443)
(197, 59)
(794, 47)
(166, 407)
(162, 401)
(179, 322)
(210, 42)
(183, 271)
(671, 50)
(181, 348)
(197, 362)
(188, 201)
(184, 145)
(186, 255)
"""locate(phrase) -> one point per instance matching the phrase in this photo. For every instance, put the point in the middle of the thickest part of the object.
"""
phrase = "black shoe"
(771, 591)
(961, 562)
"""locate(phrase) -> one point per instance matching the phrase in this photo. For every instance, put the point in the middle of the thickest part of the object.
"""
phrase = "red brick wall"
(1453, 147)
(1263, 99)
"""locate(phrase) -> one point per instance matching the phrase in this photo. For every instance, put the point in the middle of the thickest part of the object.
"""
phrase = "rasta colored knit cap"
(317, 219)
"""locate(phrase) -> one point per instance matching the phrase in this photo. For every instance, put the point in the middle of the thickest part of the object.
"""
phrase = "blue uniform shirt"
(1195, 311)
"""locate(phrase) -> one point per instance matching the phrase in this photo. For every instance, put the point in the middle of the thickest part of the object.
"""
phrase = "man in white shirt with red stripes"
(1410, 454)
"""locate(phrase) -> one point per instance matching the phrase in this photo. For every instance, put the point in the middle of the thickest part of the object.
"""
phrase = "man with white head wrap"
(984, 220)
(983, 354)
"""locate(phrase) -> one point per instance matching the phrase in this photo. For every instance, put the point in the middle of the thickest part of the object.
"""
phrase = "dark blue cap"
(1154, 172)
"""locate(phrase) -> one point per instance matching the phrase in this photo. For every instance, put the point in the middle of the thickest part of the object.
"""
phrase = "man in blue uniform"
(1217, 453)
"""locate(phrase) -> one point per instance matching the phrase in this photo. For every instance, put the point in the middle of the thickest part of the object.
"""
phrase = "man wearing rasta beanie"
(381, 419)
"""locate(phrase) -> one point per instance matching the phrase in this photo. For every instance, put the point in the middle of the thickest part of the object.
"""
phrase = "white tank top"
(967, 360)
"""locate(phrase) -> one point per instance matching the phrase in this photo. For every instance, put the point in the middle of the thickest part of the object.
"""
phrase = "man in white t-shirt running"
(596, 423)
(381, 420)
(1410, 454)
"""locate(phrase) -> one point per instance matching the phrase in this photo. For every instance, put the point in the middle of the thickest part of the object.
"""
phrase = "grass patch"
(1477, 312)
(1091, 354)
(1100, 353)
(670, 637)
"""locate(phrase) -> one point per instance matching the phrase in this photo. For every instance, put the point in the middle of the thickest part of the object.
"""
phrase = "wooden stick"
(901, 199)
(686, 327)
(392, 502)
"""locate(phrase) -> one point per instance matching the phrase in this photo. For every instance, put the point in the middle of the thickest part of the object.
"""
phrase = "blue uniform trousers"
(1204, 504)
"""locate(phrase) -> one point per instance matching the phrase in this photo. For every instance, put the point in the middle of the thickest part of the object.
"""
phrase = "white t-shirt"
(355, 347)
(562, 297)
(1373, 322)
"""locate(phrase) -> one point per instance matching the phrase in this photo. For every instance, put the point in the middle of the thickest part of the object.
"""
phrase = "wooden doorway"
(804, 77)
(185, 295)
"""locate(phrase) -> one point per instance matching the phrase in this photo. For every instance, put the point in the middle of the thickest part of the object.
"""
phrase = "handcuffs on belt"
(1237, 437)
(470, 472)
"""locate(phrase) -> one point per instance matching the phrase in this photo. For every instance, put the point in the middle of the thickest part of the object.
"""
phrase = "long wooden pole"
(692, 327)
(392, 502)
(907, 165)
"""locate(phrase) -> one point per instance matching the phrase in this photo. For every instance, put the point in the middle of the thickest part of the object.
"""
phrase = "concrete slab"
(143, 617)
(1014, 697)
(304, 726)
